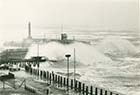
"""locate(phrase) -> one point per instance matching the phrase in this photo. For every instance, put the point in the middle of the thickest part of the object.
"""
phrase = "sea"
(104, 58)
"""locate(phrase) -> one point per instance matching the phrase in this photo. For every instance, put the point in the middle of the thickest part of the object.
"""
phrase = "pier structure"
(65, 83)
(62, 83)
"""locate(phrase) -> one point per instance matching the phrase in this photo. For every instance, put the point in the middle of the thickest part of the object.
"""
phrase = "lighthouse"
(29, 31)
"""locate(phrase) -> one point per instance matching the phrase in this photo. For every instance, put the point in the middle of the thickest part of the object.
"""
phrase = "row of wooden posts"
(72, 84)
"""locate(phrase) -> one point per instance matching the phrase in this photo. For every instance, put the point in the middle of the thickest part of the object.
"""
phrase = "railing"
(64, 82)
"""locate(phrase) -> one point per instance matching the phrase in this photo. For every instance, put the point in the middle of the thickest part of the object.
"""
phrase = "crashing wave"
(117, 47)
(85, 54)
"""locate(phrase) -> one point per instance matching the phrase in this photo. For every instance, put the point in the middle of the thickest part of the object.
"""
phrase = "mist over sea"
(107, 34)
(111, 60)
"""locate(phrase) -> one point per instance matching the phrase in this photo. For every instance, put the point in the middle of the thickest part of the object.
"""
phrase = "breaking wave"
(117, 47)
(85, 54)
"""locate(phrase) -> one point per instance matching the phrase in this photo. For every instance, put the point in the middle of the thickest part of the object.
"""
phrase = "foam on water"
(116, 46)
(100, 69)
(85, 53)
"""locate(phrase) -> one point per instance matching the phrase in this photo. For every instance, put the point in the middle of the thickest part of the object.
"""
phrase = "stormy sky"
(104, 14)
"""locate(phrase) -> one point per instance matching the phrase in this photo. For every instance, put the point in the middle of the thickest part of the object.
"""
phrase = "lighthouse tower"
(29, 31)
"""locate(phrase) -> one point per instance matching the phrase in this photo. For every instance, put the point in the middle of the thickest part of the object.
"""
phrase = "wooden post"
(41, 74)
(31, 71)
(58, 80)
(64, 81)
(47, 75)
(96, 91)
(105, 92)
(55, 78)
(50, 78)
(75, 85)
(25, 83)
(86, 90)
(101, 91)
(47, 92)
(37, 72)
(111, 93)
(71, 84)
(68, 84)
(83, 89)
(79, 87)
(91, 90)
(44, 75)
(61, 81)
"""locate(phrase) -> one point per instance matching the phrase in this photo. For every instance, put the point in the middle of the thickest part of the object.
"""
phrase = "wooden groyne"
(71, 84)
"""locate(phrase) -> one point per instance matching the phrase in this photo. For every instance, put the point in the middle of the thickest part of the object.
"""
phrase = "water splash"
(117, 47)
(85, 54)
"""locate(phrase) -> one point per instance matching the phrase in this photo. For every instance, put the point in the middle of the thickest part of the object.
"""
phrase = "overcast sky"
(110, 14)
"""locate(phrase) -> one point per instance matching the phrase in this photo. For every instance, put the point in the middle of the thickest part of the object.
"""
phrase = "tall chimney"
(29, 30)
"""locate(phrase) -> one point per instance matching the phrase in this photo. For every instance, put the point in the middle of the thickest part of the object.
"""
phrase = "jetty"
(52, 81)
